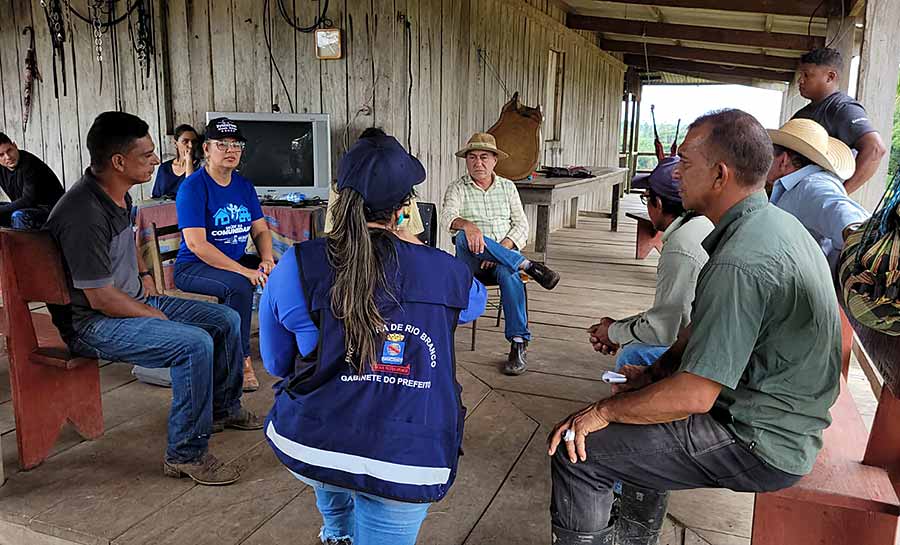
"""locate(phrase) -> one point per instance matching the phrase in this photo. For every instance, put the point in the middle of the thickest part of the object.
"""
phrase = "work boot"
(250, 382)
(561, 536)
(517, 361)
(206, 470)
(542, 274)
(241, 420)
(642, 513)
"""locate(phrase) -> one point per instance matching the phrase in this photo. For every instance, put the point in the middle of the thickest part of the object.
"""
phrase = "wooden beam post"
(767, 40)
(879, 69)
(800, 8)
(694, 68)
(701, 54)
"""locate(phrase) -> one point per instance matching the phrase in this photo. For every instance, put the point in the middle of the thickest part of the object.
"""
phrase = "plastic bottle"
(257, 293)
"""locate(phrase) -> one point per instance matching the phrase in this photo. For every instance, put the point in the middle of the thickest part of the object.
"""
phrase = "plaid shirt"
(497, 211)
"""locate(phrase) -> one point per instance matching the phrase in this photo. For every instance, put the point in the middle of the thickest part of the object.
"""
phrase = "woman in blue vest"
(359, 326)
(218, 210)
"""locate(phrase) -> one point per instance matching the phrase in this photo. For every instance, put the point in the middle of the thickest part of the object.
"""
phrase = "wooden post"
(879, 69)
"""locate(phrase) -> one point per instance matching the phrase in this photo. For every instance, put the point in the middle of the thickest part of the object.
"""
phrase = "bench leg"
(474, 331)
(782, 521)
(573, 213)
(45, 398)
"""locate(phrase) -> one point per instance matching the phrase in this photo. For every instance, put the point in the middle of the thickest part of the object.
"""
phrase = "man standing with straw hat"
(485, 213)
(807, 180)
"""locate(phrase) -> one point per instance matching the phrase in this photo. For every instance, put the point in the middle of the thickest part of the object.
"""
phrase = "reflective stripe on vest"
(358, 465)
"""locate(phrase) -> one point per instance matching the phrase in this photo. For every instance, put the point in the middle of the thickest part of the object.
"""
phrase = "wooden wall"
(218, 60)
(58, 128)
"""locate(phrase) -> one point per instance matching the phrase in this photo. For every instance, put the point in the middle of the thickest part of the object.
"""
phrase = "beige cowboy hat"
(810, 140)
(482, 141)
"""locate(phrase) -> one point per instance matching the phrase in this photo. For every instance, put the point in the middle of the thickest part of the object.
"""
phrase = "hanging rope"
(482, 55)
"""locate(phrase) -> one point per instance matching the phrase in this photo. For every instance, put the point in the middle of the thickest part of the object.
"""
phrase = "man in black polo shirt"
(116, 313)
(29, 183)
(842, 116)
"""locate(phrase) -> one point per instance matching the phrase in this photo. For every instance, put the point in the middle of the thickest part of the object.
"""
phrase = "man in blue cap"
(642, 338)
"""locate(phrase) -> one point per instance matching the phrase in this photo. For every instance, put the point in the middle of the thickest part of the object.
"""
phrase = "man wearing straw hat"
(486, 215)
(807, 180)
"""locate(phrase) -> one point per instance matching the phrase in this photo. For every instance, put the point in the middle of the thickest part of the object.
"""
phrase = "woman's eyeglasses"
(644, 198)
(225, 146)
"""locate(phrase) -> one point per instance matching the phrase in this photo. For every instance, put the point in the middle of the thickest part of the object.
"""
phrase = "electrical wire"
(322, 19)
(409, 90)
(813, 14)
(840, 33)
(267, 34)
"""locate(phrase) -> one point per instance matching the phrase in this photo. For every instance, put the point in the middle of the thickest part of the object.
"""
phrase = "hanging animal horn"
(31, 72)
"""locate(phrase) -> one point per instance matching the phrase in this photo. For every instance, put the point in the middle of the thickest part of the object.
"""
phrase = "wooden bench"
(648, 237)
(50, 386)
(851, 495)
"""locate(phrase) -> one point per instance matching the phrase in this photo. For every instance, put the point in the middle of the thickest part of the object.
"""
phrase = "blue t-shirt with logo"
(225, 212)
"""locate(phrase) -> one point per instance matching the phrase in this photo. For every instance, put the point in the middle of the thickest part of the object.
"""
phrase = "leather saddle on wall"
(518, 133)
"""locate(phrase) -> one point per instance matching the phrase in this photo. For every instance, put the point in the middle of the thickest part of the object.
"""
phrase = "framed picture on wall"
(328, 44)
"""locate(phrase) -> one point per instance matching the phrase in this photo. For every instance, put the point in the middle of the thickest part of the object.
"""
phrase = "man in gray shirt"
(843, 117)
(117, 315)
(642, 338)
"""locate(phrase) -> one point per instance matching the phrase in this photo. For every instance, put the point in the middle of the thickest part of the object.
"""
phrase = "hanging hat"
(482, 141)
(379, 169)
(811, 140)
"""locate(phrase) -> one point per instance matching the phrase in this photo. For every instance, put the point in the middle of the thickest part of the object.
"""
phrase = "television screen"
(278, 153)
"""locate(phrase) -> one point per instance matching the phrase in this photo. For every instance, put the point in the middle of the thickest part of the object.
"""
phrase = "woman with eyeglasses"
(172, 173)
(218, 210)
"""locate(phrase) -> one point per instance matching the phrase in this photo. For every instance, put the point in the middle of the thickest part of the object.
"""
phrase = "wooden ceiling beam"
(703, 68)
(768, 40)
(797, 8)
(697, 54)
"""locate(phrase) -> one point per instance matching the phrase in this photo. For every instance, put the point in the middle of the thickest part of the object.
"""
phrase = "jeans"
(698, 452)
(639, 354)
(199, 343)
(365, 518)
(25, 218)
(230, 288)
(506, 275)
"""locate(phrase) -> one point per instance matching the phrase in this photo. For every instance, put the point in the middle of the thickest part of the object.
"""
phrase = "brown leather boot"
(206, 470)
(250, 382)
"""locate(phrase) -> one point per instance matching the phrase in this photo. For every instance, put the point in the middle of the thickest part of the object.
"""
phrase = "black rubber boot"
(641, 516)
(561, 536)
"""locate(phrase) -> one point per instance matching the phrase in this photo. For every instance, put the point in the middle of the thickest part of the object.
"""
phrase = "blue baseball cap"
(379, 169)
(660, 180)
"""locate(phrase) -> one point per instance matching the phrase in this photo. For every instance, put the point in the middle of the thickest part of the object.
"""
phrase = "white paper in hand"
(611, 377)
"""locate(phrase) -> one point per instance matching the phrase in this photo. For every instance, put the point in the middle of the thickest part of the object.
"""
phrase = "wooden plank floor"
(112, 491)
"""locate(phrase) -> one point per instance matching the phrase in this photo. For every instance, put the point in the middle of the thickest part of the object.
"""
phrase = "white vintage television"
(285, 152)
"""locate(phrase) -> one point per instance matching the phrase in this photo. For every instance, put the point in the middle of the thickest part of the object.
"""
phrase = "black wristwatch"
(145, 273)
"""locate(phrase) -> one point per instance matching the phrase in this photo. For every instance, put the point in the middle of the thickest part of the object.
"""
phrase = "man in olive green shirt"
(741, 399)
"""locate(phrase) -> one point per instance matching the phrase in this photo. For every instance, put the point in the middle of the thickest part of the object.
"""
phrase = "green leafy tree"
(895, 141)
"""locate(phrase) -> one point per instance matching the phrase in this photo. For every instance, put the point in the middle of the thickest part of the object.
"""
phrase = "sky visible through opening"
(689, 102)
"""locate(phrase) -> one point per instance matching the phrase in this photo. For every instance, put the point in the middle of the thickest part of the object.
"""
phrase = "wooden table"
(544, 192)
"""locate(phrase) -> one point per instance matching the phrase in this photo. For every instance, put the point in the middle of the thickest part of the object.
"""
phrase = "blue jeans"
(506, 274)
(365, 518)
(199, 343)
(230, 288)
(639, 354)
(26, 218)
